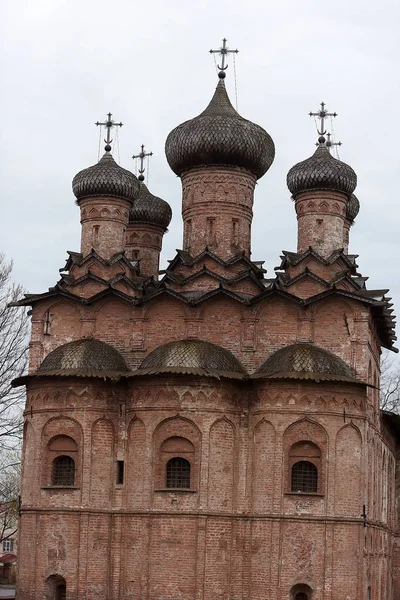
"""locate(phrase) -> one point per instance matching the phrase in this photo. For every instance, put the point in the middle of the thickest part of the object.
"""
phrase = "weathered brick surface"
(238, 532)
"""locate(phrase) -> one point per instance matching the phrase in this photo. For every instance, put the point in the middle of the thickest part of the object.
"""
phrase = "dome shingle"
(105, 178)
(148, 208)
(321, 172)
(219, 135)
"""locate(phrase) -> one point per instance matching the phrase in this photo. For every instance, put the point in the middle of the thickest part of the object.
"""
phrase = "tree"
(9, 493)
(13, 357)
(390, 383)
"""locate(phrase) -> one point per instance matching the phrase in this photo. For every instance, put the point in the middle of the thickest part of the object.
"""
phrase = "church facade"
(210, 433)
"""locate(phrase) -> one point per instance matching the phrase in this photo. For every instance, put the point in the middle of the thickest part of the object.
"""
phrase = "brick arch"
(176, 428)
(348, 454)
(303, 432)
(221, 475)
(101, 463)
(263, 468)
(61, 427)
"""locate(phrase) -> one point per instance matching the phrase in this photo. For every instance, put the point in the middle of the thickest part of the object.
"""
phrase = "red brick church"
(210, 433)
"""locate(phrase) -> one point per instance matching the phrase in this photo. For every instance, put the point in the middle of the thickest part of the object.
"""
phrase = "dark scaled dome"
(148, 208)
(321, 172)
(84, 357)
(353, 207)
(219, 135)
(193, 357)
(105, 178)
(305, 361)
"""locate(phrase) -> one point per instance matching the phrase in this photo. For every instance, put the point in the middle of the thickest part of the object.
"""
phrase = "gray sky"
(65, 63)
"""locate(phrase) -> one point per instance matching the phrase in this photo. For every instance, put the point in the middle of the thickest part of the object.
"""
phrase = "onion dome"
(150, 209)
(321, 172)
(305, 361)
(353, 207)
(106, 178)
(219, 135)
(87, 357)
(192, 357)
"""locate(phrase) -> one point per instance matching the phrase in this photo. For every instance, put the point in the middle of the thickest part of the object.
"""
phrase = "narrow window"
(47, 323)
(210, 231)
(178, 473)
(304, 477)
(235, 232)
(95, 236)
(63, 471)
(120, 472)
(188, 233)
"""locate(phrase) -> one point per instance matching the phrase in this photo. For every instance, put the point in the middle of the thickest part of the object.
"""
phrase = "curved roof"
(85, 358)
(305, 361)
(192, 357)
(148, 208)
(353, 207)
(321, 172)
(219, 135)
(105, 178)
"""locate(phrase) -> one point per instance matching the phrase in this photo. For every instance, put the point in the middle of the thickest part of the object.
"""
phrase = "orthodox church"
(206, 432)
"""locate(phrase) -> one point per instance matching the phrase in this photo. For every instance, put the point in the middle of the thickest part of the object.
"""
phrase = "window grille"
(63, 471)
(304, 479)
(178, 473)
(8, 545)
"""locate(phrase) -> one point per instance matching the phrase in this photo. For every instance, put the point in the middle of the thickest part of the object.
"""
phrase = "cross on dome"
(223, 52)
(322, 114)
(108, 124)
(142, 155)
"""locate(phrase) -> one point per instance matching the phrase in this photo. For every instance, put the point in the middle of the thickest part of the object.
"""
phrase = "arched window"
(63, 471)
(301, 592)
(304, 477)
(304, 468)
(177, 473)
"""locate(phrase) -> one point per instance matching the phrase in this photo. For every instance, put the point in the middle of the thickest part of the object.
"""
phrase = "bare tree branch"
(390, 383)
(13, 357)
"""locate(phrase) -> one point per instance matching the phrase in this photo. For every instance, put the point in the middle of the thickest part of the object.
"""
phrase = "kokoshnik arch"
(210, 433)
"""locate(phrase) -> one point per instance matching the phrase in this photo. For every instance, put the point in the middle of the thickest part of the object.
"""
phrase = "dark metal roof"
(219, 135)
(87, 355)
(106, 178)
(321, 172)
(148, 208)
(305, 361)
(353, 207)
(193, 357)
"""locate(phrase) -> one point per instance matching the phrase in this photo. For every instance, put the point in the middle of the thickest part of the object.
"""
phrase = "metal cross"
(322, 114)
(109, 124)
(142, 155)
(223, 51)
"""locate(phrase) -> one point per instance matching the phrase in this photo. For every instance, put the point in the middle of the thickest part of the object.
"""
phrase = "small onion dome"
(353, 207)
(105, 178)
(305, 361)
(192, 357)
(87, 357)
(219, 135)
(148, 208)
(321, 172)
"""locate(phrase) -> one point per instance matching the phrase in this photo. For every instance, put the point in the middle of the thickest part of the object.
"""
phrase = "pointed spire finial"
(223, 52)
(109, 124)
(142, 155)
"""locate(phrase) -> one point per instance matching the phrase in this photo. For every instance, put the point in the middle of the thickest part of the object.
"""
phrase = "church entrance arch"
(301, 592)
(56, 588)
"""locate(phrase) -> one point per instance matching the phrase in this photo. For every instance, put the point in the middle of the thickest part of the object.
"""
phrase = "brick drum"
(237, 528)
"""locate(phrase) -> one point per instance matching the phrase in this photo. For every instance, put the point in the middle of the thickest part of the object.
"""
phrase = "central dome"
(193, 357)
(219, 135)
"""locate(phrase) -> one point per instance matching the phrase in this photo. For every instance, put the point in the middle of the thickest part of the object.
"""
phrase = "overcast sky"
(66, 63)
